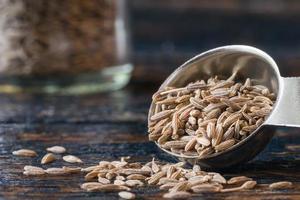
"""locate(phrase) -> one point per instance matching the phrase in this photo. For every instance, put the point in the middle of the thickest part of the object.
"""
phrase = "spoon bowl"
(246, 62)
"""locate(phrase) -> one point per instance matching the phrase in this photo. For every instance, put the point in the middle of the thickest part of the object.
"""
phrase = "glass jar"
(66, 47)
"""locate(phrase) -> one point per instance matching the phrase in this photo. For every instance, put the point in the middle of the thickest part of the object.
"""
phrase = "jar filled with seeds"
(67, 47)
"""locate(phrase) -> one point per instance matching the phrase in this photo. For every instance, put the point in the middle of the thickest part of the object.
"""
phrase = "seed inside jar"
(206, 117)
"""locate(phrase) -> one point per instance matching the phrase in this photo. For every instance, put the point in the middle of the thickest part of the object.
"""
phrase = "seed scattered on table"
(108, 188)
(238, 180)
(57, 149)
(206, 117)
(126, 195)
(49, 157)
(89, 185)
(246, 186)
(281, 185)
(134, 183)
(71, 170)
(103, 180)
(25, 153)
(177, 195)
(56, 171)
(200, 188)
(249, 185)
(72, 159)
(179, 181)
(136, 177)
(33, 170)
(174, 178)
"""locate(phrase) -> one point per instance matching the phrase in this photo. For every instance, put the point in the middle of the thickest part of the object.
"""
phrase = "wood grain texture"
(106, 127)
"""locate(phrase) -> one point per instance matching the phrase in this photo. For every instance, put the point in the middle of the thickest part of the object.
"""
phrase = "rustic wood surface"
(106, 127)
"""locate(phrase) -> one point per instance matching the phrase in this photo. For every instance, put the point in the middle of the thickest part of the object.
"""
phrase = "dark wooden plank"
(125, 105)
(106, 136)
(280, 161)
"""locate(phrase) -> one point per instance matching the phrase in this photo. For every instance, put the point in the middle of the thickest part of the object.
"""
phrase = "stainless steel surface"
(261, 68)
(287, 111)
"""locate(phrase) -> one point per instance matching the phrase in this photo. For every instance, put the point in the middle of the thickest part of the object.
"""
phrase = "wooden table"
(106, 127)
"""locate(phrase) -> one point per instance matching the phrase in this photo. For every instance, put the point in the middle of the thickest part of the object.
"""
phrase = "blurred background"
(78, 47)
(166, 33)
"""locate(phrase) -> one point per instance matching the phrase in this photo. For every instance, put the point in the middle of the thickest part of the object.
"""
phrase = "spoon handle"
(287, 108)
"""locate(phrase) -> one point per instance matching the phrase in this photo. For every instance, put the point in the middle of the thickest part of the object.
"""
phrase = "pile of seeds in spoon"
(210, 116)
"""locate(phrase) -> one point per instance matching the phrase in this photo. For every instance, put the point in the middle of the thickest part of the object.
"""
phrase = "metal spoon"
(248, 62)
